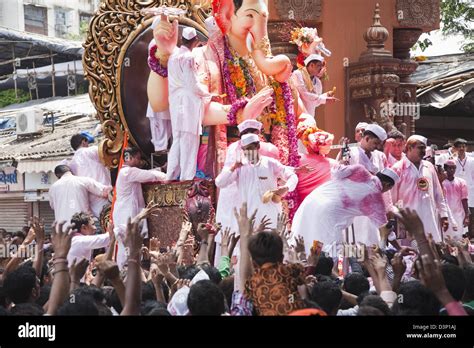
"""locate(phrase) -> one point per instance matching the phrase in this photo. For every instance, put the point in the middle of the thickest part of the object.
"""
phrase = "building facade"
(54, 18)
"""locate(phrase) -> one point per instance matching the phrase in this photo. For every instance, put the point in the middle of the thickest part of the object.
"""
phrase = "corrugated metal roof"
(72, 115)
(446, 81)
(34, 45)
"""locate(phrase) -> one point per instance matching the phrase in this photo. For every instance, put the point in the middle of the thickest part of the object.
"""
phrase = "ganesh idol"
(238, 79)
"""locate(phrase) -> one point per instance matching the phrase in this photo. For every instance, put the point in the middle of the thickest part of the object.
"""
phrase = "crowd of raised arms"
(273, 279)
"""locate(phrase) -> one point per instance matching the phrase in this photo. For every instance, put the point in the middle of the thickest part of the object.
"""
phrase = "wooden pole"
(53, 74)
(29, 89)
(34, 72)
(14, 72)
(75, 77)
(67, 81)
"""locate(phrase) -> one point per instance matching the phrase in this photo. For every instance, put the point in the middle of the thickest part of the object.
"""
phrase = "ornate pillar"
(414, 18)
(372, 82)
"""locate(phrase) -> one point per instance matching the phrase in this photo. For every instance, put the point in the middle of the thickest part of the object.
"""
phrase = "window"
(36, 19)
(61, 19)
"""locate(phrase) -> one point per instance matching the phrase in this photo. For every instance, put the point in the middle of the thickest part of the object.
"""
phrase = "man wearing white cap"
(229, 195)
(187, 98)
(419, 188)
(257, 180)
(359, 131)
(367, 155)
(329, 209)
(307, 81)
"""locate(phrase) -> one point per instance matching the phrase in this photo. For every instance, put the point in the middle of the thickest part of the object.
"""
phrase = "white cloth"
(86, 163)
(428, 204)
(311, 99)
(187, 100)
(160, 127)
(456, 191)
(70, 195)
(229, 196)
(392, 160)
(82, 246)
(129, 202)
(374, 164)
(254, 180)
(182, 158)
(465, 170)
(332, 207)
(365, 230)
(441, 159)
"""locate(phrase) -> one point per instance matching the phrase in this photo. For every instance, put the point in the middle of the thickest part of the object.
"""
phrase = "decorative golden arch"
(112, 31)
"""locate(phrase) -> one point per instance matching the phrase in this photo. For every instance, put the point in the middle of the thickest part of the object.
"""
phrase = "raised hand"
(430, 274)
(379, 263)
(299, 247)
(203, 231)
(77, 270)
(411, 220)
(146, 212)
(61, 240)
(398, 265)
(264, 224)
(38, 227)
(258, 103)
(166, 35)
(109, 269)
(245, 222)
(155, 244)
(133, 239)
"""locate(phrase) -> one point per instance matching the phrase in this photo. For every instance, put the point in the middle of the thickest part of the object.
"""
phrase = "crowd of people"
(263, 265)
(381, 230)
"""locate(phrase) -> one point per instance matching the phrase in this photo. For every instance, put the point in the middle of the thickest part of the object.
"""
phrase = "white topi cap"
(254, 124)
(189, 33)
(362, 125)
(417, 138)
(211, 25)
(312, 57)
(391, 174)
(248, 139)
(377, 130)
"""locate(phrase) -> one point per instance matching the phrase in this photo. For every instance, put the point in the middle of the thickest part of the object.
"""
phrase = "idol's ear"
(223, 10)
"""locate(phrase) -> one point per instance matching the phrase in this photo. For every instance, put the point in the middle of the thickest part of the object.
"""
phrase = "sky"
(441, 45)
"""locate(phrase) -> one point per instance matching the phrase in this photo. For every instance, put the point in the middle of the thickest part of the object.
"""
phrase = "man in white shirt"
(419, 188)
(465, 170)
(329, 209)
(187, 97)
(456, 192)
(257, 177)
(367, 155)
(129, 196)
(84, 241)
(307, 81)
(70, 194)
(86, 163)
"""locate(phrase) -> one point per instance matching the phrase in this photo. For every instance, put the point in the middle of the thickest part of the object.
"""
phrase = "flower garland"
(155, 64)
(236, 107)
(293, 158)
(237, 79)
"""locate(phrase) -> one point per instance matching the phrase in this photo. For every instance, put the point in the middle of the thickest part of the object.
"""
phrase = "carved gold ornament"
(112, 30)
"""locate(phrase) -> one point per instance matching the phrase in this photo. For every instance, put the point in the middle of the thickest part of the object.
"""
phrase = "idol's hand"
(166, 35)
(255, 106)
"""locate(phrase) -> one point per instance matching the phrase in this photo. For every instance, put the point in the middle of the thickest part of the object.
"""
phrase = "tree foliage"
(457, 18)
